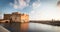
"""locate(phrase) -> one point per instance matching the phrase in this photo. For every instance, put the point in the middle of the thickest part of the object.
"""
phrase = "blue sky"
(7, 5)
(37, 9)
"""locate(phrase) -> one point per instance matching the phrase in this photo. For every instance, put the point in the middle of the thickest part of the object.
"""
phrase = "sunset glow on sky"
(37, 9)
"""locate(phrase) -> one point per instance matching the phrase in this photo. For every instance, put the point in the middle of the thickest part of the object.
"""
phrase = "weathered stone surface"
(2, 29)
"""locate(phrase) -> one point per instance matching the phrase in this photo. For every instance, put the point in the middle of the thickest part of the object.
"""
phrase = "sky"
(36, 9)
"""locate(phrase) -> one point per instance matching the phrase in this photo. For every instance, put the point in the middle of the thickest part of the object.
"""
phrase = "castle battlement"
(16, 17)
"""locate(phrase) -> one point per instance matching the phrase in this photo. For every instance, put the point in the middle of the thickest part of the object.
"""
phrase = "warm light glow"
(45, 13)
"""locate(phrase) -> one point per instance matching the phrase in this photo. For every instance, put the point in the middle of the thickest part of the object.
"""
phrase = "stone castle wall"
(17, 17)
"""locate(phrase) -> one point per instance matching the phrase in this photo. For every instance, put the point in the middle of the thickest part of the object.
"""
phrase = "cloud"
(35, 13)
(58, 3)
(20, 4)
(1, 17)
(36, 4)
(47, 12)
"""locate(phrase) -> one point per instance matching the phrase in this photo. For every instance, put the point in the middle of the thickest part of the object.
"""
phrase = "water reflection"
(37, 27)
(31, 27)
(16, 26)
(24, 27)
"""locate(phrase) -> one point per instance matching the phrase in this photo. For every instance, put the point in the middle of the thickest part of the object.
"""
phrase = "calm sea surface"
(37, 27)
(30, 27)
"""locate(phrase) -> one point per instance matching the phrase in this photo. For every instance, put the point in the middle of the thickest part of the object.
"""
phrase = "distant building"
(16, 17)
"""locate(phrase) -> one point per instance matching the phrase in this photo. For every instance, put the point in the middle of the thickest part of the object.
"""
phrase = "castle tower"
(17, 17)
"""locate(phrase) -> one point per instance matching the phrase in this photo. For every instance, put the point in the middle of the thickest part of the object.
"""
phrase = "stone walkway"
(2, 29)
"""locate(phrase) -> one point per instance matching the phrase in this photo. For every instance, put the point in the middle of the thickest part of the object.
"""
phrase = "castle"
(15, 17)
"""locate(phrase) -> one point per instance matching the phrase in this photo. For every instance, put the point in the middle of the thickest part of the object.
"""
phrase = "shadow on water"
(16, 26)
